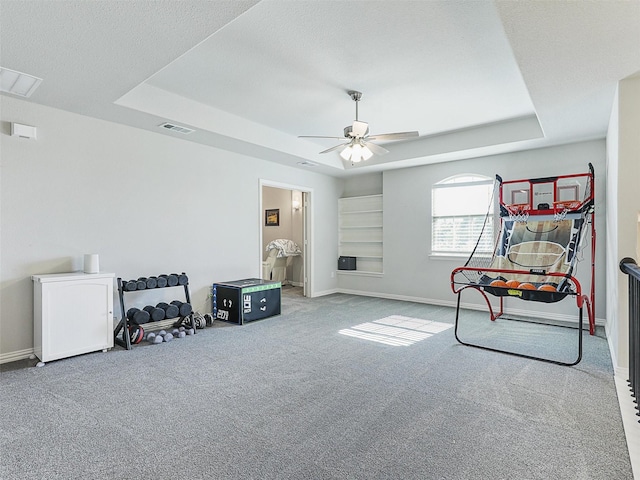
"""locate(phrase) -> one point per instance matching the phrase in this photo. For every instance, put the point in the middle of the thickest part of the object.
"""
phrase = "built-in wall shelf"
(359, 273)
(360, 233)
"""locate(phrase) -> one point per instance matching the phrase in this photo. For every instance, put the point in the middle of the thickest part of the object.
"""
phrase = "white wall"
(410, 272)
(146, 202)
(623, 166)
(611, 232)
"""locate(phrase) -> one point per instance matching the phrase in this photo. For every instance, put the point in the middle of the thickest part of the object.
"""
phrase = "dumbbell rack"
(123, 325)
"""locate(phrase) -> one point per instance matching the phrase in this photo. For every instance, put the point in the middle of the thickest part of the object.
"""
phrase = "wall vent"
(177, 128)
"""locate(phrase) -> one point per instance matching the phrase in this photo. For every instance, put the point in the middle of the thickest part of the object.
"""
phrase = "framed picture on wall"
(272, 217)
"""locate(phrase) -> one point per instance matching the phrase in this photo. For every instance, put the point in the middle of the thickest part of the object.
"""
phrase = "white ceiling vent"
(18, 83)
(177, 128)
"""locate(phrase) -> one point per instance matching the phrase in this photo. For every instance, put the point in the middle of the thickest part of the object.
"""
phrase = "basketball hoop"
(560, 209)
(518, 213)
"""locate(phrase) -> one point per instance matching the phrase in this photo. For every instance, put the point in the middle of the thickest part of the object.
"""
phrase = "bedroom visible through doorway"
(283, 236)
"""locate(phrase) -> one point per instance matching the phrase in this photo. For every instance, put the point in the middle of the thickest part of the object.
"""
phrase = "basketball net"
(518, 214)
(560, 209)
(560, 214)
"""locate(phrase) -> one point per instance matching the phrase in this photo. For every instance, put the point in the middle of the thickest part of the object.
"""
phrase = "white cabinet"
(360, 231)
(73, 314)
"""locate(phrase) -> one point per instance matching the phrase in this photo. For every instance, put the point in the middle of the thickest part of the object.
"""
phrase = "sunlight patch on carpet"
(396, 330)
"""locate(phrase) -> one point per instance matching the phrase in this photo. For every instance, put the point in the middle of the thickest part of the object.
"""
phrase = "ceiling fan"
(359, 145)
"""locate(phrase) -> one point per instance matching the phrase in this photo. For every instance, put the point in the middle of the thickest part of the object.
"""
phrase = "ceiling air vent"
(18, 83)
(177, 128)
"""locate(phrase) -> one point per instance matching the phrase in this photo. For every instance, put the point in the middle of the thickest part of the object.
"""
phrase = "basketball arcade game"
(544, 223)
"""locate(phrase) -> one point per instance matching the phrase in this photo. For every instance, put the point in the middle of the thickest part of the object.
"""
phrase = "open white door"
(305, 248)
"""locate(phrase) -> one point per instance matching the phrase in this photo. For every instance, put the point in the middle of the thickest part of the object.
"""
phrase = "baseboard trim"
(15, 356)
(613, 352)
(325, 292)
(26, 353)
(560, 317)
(627, 407)
(629, 419)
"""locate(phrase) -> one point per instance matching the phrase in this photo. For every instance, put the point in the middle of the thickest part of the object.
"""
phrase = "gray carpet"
(291, 398)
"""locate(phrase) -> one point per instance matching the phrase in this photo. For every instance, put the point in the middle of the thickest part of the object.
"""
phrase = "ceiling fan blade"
(359, 129)
(393, 136)
(335, 148)
(318, 136)
(377, 149)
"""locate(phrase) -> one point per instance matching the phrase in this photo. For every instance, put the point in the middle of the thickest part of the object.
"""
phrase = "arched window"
(459, 207)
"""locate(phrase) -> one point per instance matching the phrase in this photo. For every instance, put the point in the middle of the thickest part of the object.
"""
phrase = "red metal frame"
(530, 206)
(581, 299)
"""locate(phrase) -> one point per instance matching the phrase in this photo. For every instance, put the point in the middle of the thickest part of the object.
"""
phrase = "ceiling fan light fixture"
(346, 153)
(360, 146)
(356, 153)
(366, 153)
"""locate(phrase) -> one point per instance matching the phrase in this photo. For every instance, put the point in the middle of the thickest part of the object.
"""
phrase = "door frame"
(307, 230)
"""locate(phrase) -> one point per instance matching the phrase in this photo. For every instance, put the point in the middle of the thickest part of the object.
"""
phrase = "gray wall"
(149, 203)
(409, 270)
(367, 184)
(146, 202)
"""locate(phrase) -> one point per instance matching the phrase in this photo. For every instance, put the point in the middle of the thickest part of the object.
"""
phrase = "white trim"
(629, 421)
(360, 273)
(448, 182)
(622, 373)
(471, 306)
(612, 351)
(325, 292)
(15, 356)
(450, 257)
(362, 196)
(285, 186)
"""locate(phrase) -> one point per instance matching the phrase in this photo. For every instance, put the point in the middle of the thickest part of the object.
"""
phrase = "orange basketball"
(526, 286)
(498, 283)
(513, 284)
(547, 288)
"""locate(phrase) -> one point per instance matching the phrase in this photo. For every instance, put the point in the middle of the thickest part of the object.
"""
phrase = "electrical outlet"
(333, 274)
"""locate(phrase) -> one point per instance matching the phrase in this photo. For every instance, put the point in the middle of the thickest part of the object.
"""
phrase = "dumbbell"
(129, 285)
(141, 283)
(155, 313)
(184, 308)
(170, 311)
(162, 281)
(172, 280)
(182, 278)
(152, 282)
(137, 316)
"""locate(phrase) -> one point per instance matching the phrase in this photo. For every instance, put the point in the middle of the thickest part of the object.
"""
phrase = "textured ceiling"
(473, 77)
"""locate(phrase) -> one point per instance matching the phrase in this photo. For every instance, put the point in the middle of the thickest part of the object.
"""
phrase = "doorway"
(285, 229)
